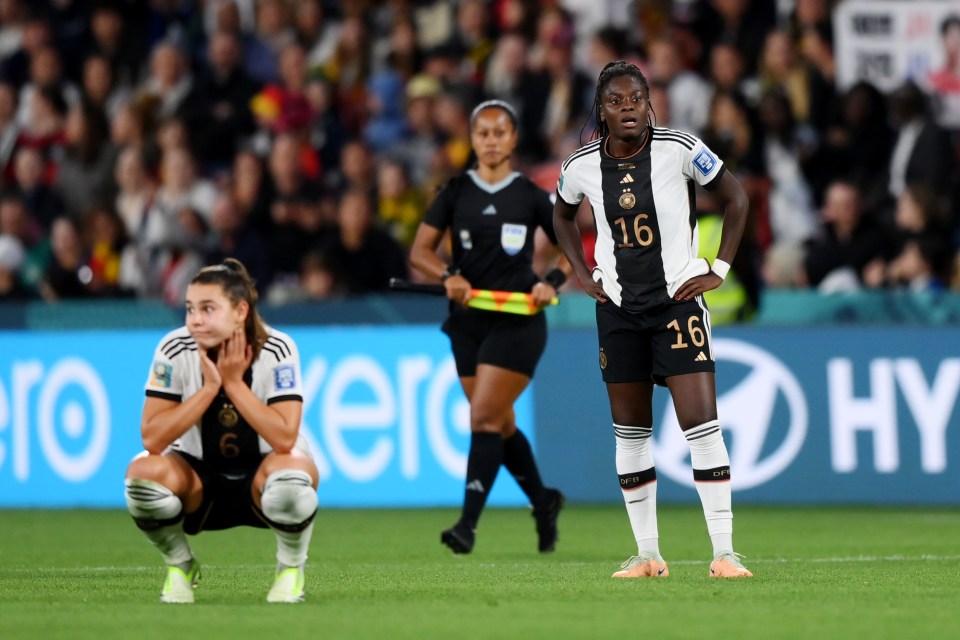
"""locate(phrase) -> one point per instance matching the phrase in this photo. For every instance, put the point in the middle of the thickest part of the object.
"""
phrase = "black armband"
(555, 278)
(449, 271)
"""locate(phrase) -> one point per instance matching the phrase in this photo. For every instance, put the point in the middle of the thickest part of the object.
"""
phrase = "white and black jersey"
(492, 228)
(645, 213)
(223, 438)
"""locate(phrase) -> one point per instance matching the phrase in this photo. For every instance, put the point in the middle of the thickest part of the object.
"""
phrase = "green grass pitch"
(820, 573)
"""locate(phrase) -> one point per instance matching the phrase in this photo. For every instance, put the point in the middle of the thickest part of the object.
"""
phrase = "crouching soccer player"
(221, 428)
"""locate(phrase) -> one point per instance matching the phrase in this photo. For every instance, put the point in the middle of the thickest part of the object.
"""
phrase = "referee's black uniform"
(492, 232)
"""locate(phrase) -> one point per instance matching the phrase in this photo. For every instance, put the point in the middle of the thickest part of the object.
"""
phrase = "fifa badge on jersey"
(162, 375)
(627, 199)
(560, 183)
(705, 162)
(465, 240)
(512, 238)
(284, 377)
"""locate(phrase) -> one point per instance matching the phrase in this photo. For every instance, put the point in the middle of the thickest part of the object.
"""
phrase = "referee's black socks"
(483, 463)
(519, 461)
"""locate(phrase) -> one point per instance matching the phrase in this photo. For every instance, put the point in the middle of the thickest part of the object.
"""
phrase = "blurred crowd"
(142, 139)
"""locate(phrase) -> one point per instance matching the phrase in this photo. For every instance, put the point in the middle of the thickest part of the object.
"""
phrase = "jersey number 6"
(641, 232)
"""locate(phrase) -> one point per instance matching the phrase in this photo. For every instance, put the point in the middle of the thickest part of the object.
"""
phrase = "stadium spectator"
(98, 89)
(922, 153)
(689, 93)
(316, 31)
(850, 241)
(15, 221)
(9, 128)
(42, 201)
(233, 237)
(399, 204)
(169, 81)
(790, 208)
(84, 176)
(366, 256)
(66, 275)
(217, 110)
(11, 258)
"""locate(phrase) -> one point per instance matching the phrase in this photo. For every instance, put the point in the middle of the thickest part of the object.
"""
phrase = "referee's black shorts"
(670, 340)
(504, 340)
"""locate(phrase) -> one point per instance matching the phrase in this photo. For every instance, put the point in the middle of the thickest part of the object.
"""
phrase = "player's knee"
(147, 466)
(289, 500)
(151, 504)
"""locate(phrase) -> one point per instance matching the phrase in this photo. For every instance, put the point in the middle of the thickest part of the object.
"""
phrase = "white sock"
(638, 483)
(711, 474)
(289, 502)
(159, 514)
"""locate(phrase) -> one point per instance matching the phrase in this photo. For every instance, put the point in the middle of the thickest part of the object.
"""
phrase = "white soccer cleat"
(179, 585)
(728, 565)
(287, 587)
(646, 565)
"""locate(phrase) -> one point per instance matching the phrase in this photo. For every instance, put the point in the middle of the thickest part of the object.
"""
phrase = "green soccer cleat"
(287, 587)
(646, 565)
(179, 585)
(728, 565)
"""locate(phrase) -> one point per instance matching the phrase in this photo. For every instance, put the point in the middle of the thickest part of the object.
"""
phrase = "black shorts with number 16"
(665, 341)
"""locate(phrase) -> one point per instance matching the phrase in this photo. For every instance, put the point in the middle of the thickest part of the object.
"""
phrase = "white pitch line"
(828, 560)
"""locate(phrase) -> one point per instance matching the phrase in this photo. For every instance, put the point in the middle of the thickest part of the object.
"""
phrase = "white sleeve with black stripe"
(280, 374)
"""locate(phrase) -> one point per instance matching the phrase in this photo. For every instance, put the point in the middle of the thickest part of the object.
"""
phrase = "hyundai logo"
(760, 447)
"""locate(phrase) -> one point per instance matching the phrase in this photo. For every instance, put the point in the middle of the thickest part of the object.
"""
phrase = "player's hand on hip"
(542, 294)
(235, 356)
(695, 286)
(594, 289)
(458, 289)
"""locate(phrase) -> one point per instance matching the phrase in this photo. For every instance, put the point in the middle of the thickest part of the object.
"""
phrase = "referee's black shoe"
(460, 538)
(546, 514)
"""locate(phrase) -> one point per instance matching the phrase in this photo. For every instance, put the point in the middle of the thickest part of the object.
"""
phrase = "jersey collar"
(492, 188)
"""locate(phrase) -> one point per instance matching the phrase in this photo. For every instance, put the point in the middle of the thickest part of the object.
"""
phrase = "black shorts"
(670, 340)
(227, 501)
(505, 340)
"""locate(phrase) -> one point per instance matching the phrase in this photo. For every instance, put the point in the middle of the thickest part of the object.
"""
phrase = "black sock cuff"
(637, 479)
(717, 474)
(149, 524)
(290, 528)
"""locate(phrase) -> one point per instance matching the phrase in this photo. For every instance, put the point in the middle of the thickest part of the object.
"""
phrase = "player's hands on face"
(695, 286)
(542, 294)
(211, 375)
(458, 289)
(234, 357)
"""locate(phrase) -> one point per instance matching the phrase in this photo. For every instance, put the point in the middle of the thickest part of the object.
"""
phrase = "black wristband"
(449, 271)
(555, 278)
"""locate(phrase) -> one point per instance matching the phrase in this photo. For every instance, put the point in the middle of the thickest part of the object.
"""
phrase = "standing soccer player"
(492, 213)
(221, 429)
(652, 322)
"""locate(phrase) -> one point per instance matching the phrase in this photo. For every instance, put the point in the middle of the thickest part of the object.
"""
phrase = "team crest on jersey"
(162, 375)
(465, 240)
(284, 377)
(627, 199)
(705, 162)
(512, 238)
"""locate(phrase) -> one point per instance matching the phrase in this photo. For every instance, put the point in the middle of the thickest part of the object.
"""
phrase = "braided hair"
(237, 285)
(610, 71)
